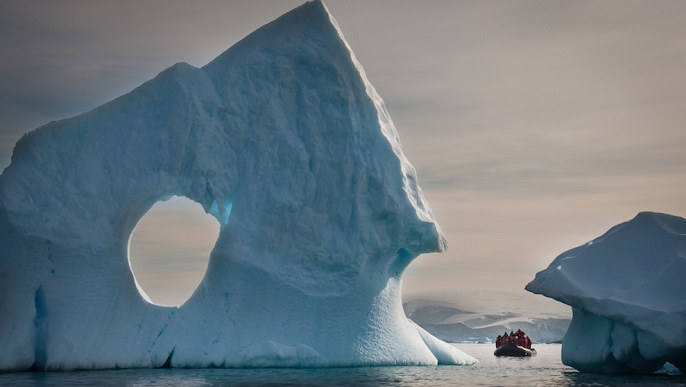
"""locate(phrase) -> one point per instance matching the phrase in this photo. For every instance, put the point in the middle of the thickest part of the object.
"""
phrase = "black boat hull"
(514, 351)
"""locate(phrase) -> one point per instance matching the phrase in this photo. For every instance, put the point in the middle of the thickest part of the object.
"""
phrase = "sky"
(534, 126)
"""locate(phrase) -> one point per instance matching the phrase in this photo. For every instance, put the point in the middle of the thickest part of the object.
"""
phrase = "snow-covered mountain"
(482, 315)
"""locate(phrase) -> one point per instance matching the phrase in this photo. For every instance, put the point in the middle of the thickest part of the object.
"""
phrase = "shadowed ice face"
(324, 191)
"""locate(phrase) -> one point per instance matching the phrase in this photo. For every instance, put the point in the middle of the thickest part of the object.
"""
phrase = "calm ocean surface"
(542, 370)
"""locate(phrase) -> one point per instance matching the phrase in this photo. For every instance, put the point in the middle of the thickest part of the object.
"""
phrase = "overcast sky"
(534, 126)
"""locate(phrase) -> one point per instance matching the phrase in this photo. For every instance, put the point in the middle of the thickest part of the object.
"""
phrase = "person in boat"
(520, 339)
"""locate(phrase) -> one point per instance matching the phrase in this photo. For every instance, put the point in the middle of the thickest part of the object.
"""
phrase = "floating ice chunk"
(626, 289)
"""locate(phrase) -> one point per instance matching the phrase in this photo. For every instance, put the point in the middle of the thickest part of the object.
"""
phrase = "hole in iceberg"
(169, 250)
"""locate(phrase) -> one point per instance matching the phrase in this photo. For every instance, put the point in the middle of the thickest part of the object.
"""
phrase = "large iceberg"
(281, 138)
(627, 291)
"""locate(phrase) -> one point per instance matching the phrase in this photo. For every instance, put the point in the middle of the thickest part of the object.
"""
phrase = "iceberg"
(286, 143)
(626, 289)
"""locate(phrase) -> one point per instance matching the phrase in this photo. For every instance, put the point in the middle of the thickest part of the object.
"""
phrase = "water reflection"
(545, 369)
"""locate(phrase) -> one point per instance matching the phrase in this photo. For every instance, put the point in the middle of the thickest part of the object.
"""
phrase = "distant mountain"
(482, 315)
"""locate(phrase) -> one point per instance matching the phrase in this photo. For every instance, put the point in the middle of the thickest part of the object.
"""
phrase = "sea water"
(545, 369)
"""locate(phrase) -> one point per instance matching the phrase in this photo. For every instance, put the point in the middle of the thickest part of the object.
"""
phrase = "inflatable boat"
(514, 350)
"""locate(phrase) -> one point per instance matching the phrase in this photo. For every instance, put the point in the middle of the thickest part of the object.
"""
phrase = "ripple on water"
(545, 369)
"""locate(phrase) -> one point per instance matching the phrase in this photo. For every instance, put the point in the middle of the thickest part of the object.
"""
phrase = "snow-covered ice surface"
(626, 289)
(480, 315)
(281, 138)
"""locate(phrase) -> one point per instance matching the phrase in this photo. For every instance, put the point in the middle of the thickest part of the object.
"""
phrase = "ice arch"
(284, 132)
(169, 250)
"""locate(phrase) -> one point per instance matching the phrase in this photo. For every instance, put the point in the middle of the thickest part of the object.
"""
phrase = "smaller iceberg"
(626, 289)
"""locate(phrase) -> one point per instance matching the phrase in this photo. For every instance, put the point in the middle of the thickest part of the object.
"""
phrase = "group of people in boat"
(514, 338)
